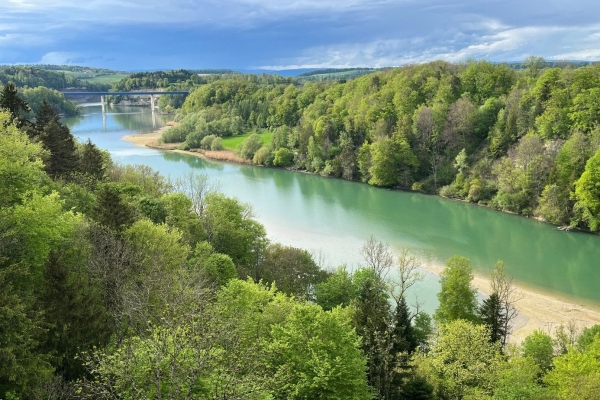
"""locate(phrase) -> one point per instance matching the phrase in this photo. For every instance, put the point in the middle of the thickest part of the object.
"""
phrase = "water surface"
(333, 218)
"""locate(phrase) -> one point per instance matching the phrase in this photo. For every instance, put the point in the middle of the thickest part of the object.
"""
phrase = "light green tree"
(462, 361)
(587, 193)
(457, 297)
(576, 375)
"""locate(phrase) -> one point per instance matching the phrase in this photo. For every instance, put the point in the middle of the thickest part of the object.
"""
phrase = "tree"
(391, 162)
(336, 290)
(111, 209)
(462, 361)
(587, 336)
(491, 314)
(504, 286)
(11, 101)
(316, 355)
(538, 346)
(21, 166)
(457, 297)
(576, 375)
(250, 146)
(91, 161)
(587, 194)
(518, 379)
(63, 159)
(293, 270)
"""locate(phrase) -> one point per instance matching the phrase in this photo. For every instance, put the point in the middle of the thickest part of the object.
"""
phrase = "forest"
(118, 283)
(522, 140)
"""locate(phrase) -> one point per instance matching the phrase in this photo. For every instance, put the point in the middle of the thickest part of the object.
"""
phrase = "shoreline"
(537, 310)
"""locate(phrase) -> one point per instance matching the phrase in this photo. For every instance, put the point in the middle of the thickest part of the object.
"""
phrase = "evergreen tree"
(44, 116)
(404, 342)
(58, 140)
(91, 162)
(10, 100)
(404, 337)
(73, 311)
(492, 316)
(372, 321)
(111, 210)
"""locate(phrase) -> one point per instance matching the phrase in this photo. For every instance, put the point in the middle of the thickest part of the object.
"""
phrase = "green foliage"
(219, 268)
(492, 315)
(111, 209)
(250, 146)
(308, 349)
(35, 97)
(577, 373)
(518, 379)
(457, 297)
(587, 336)
(587, 193)
(283, 157)
(462, 362)
(21, 167)
(337, 290)
(291, 269)
(538, 346)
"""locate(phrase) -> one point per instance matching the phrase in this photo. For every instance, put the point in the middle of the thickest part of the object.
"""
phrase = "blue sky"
(280, 34)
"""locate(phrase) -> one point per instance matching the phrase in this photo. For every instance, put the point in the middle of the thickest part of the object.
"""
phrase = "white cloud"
(505, 44)
(60, 58)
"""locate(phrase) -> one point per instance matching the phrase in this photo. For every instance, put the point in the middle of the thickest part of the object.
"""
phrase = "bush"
(283, 157)
(206, 142)
(250, 146)
(263, 156)
(217, 144)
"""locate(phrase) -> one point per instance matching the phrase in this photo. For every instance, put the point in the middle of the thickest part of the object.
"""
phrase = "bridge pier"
(102, 102)
(152, 103)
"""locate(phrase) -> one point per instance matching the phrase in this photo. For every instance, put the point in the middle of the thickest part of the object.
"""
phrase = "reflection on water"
(335, 217)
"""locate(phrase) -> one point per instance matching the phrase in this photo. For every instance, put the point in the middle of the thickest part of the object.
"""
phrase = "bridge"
(150, 93)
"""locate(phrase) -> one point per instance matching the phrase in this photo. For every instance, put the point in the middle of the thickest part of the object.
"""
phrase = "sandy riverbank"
(536, 310)
(151, 140)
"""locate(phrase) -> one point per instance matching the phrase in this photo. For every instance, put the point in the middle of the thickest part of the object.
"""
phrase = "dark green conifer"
(57, 138)
(91, 162)
(11, 101)
(111, 210)
(492, 316)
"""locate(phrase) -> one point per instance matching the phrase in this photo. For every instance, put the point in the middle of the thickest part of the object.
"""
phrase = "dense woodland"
(520, 140)
(116, 283)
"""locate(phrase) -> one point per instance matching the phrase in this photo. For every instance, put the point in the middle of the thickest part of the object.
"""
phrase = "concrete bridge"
(151, 93)
(102, 95)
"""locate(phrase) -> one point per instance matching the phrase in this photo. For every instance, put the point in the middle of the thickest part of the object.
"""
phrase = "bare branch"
(504, 286)
(378, 257)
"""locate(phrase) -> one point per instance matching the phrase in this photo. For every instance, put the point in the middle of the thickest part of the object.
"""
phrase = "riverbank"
(151, 140)
(537, 310)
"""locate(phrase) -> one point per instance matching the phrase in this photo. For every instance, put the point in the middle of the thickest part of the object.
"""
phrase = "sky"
(292, 34)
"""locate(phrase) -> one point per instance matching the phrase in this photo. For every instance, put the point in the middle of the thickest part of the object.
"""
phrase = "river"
(333, 218)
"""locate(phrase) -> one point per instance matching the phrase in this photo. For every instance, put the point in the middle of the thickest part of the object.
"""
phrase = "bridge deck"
(120, 93)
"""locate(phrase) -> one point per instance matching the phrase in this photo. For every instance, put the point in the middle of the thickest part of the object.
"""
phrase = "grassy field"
(93, 78)
(232, 142)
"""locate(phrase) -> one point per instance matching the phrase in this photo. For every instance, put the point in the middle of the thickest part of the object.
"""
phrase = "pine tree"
(10, 100)
(405, 339)
(373, 323)
(111, 210)
(57, 138)
(91, 161)
(492, 316)
(44, 116)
